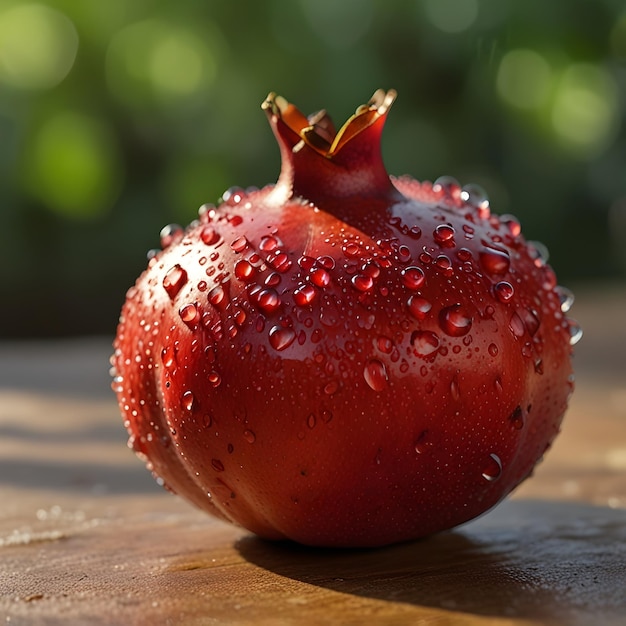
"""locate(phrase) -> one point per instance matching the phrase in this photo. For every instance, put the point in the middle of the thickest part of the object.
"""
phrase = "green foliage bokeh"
(119, 117)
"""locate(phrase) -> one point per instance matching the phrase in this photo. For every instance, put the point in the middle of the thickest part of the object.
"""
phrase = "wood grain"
(86, 536)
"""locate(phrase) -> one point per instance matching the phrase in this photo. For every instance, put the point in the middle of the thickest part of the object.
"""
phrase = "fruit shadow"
(527, 559)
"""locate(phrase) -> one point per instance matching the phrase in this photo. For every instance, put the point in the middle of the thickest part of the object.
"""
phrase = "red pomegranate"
(344, 358)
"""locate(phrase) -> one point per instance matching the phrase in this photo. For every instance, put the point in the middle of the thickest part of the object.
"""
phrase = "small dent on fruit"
(174, 280)
(375, 374)
(455, 389)
(516, 418)
(455, 321)
(492, 469)
(422, 442)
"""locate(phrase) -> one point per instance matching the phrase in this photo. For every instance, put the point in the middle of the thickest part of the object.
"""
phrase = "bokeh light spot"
(38, 46)
(73, 166)
(524, 79)
(451, 16)
(340, 24)
(618, 37)
(585, 111)
(156, 61)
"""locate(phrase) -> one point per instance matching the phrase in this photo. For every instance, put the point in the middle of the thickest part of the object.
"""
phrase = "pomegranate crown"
(319, 162)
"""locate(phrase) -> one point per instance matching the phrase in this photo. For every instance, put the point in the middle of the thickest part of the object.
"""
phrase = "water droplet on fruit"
(531, 321)
(331, 388)
(268, 300)
(174, 280)
(269, 243)
(447, 185)
(375, 375)
(239, 244)
(362, 282)
(493, 349)
(215, 379)
(566, 298)
(384, 344)
(311, 420)
(503, 291)
(475, 196)
(403, 254)
(233, 195)
(170, 234)
(455, 321)
(538, 252)
(168, 357)
(495, 262)
(412, 277)
(249, 436)
(424, 342)
(517, 418)
(493, 468)
(351, 249)
(218, 466)
(244, 270)
(209, 235)
(188, 400)
(444, 263)
(516, 325)
(189, 313)
(217, 295)
(281, 338)
(512, 225)
(304, 295)
(320, 277)
(325, 261)
(419, 307)
(444, 235)
(575, 331)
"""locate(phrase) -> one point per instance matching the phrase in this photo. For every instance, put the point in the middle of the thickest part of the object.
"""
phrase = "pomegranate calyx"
(321, 164)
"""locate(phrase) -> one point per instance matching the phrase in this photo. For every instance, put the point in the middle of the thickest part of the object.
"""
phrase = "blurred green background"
(120, 116)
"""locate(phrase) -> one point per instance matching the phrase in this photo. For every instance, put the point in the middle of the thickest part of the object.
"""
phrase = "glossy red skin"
(295, 443)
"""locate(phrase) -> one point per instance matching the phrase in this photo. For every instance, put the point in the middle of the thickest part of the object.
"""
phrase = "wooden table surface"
(87, 537)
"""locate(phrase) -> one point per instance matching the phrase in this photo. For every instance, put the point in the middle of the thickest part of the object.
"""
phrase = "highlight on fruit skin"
(344, 358)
